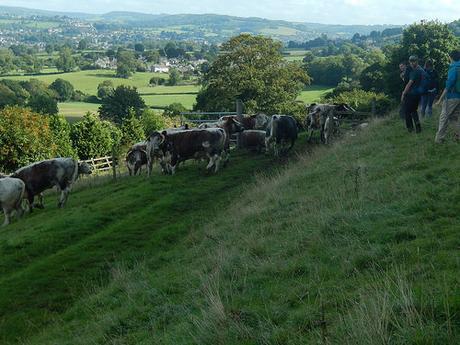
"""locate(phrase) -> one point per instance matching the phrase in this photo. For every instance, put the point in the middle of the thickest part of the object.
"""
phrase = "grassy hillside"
(351, 244)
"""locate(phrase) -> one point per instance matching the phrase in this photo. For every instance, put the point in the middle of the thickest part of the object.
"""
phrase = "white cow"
(11, 194)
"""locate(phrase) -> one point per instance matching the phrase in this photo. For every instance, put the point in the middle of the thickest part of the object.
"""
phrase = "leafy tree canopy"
(251, 68)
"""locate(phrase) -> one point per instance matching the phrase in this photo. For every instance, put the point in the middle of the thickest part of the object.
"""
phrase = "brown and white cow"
(178, 147)
(323, 118)
(155, 152)
(58, 172)
(252, 140)
(258, 122)
(135, 160)
(11, 194)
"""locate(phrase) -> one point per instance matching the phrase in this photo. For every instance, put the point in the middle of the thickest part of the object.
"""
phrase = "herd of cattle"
(210, 141)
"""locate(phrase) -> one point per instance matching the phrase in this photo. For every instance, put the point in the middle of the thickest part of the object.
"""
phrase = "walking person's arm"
(441, 98)
(450, 83)
(406, 89)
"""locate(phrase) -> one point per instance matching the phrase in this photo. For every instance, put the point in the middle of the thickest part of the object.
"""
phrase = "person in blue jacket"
(450, 99)
(426, 103)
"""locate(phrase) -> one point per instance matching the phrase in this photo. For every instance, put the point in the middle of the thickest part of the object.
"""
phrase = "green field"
(356, 243)
(75, 110)
(87, 81)
(313, 93)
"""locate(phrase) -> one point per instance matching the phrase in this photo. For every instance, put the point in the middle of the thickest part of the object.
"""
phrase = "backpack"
(457, 82)
(425, 82)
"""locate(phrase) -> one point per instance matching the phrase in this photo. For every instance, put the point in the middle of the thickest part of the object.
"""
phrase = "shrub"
(174, 109)
(43, 103)
(116, 107)
(25, 137)
(132, 130)
(152, 121)
(362, 101)
(64, 89)
(60, 129)
(105, 89)
(157, 81)
(93, 138)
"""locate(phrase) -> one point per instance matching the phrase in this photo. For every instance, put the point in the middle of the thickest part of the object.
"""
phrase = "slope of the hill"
(352, 244)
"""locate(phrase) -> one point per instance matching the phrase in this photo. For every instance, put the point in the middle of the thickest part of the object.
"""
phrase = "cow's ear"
(164, 133)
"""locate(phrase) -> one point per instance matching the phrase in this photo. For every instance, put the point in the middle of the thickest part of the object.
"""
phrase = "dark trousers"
(410, 112)
(426, 104)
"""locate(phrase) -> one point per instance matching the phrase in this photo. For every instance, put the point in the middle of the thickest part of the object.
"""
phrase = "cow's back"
(187, 143)
(46, 174)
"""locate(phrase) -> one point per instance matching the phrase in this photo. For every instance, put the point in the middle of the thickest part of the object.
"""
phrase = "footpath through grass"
(352, 244)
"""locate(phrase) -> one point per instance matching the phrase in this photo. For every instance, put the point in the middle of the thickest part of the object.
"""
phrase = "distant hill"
(210, 25)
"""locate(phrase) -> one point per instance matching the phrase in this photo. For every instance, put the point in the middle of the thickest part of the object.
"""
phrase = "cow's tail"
(20, 200)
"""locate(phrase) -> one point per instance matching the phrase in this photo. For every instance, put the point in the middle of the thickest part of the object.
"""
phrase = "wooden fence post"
(373, 107)
(239, 109)
(114, 169)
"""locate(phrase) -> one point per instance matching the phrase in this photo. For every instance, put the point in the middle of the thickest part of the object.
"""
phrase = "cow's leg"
(7, 214)
(30, 202)
(211, 161)
(322, 138)
(217, 160)
(40, 204)
(65, 190)
(149, 166)
(310, 135)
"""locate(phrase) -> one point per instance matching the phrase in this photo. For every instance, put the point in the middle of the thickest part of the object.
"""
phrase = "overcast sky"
(317, 11)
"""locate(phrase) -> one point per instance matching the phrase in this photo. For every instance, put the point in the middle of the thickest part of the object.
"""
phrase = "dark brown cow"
(252, 140)
(59, 172)
(184, 145)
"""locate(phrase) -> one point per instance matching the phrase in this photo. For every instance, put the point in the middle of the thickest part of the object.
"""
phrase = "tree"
(251, 68)
(6, 61)
(60, 129)
(63, 88)
(152, 121)
(174, 109)
(49, 48)
(93, 138)
(139, 47)
(174, 77)
(132, 130)
(43, 103)
(152, 56)
(105, 89)
(65, 62)
(25, 137)
(31, 64)
(126, 64)
(83, 44)
(116, 107)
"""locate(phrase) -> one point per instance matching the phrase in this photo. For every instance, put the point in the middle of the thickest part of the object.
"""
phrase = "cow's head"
(84, 168)
(231, 125)
(343, 107)
(156, 140)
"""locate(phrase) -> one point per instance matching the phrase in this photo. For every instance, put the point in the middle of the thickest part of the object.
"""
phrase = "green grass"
(351, 244)
(87, 81)
(313, 93)
(75, 110)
